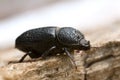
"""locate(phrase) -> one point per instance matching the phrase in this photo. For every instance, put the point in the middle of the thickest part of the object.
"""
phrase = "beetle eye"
(79, 37)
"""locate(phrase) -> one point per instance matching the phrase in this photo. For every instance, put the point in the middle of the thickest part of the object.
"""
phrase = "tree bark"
(100, 63)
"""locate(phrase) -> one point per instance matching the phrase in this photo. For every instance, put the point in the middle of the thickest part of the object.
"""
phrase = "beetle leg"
(71, 57)
(47, 52)
(21, 60)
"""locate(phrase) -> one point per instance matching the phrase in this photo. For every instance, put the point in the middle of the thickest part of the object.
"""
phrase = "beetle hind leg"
(21, 60)
(30, 53)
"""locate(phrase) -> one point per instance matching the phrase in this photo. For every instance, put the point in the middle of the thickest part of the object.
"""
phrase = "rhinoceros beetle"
(47, 41)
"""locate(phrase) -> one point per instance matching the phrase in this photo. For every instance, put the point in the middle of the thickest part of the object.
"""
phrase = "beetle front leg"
(70, 56)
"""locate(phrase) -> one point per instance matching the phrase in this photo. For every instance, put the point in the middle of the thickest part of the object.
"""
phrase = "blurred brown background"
(9, 8)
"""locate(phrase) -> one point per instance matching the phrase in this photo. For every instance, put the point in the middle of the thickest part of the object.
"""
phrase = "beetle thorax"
(68, 36)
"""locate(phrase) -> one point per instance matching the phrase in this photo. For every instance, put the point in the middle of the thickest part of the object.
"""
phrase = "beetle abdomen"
(38, 40)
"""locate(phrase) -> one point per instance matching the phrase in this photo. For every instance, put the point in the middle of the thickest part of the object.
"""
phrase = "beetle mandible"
(46, 41)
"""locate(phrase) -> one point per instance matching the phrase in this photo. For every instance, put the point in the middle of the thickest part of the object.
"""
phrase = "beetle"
(51, 40)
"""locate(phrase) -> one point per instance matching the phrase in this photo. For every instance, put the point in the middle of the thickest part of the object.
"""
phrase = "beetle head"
(84, 44)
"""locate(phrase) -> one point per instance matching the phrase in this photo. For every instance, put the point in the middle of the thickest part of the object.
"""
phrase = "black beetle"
(46, 41)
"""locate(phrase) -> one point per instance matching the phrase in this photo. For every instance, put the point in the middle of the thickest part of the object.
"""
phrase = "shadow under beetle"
(47, 41)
